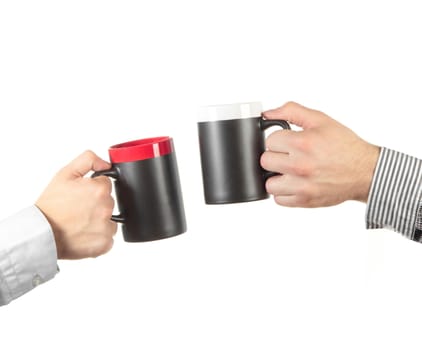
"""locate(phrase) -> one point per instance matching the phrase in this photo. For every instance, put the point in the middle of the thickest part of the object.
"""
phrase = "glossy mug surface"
(231, 142)
(148, 190)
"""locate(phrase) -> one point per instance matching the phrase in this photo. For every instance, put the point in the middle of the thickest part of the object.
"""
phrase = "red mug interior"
(141, 149)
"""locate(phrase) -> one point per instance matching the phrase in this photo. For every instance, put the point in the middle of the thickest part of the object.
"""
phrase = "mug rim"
(229, 111)
(141, 149)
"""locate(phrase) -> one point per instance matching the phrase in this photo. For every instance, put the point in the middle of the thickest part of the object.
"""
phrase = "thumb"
(84, 163)
(296, 114)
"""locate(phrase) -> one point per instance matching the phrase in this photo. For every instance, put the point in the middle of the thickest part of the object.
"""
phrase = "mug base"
(151, 239)
(238, 201)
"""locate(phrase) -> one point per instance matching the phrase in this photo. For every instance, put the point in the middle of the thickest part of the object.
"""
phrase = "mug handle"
(265, 124)
(113, 173)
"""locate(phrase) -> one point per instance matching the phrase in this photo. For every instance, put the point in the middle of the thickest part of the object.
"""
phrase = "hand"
(79, 209)
(324, 164)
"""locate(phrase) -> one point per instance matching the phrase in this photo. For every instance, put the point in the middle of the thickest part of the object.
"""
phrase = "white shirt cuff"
(28, 255)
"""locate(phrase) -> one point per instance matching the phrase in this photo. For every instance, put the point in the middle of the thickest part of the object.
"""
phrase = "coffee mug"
(148, 190)
(231, 142)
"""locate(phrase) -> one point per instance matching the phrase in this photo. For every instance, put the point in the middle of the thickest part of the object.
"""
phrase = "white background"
(78, 75)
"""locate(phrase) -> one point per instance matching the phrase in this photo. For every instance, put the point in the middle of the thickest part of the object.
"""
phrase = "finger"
(100, 246)
(110, 229)
(282, 141)
(104, 184)
(280, 185)
(276, 162)
(108, 247)
(84, 163)
(296, 114)
(105, 225)
(287, 201)
(113, 228)
(292, 191)
(104, 206)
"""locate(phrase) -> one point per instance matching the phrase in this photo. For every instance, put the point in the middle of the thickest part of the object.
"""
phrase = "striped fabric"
(395, 196)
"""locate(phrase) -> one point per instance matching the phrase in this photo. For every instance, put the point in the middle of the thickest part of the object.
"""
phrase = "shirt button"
(37, 280)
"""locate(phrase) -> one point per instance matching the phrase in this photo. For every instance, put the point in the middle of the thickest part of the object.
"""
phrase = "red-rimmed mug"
(148, 191)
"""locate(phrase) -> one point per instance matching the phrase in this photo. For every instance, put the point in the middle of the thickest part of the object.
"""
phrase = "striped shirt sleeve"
(394, 200)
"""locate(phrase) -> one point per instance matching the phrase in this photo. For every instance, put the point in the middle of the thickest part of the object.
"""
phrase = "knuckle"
(303, 143)
(305, 195)
(102, 189)
(303, 191)
(103, 246)
(109, 227)
(113, 228)
(283, 201)
(278, 200)
(302, 169)
(290, 104)
(99, 193)
(88, 154)
(94, 252)
(105, 213)
(108, 244)
(297, 169)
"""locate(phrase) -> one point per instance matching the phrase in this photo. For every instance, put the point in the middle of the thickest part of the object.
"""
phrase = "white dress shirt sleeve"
(28, 255)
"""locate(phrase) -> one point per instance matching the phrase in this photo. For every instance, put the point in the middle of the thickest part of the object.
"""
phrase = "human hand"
(79, 209)
(324, 164)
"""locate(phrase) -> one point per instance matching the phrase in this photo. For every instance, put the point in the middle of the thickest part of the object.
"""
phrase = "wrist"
(366, 169)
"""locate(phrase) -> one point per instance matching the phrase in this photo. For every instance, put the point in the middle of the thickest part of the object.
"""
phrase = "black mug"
(148, 190)
(231, 142)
